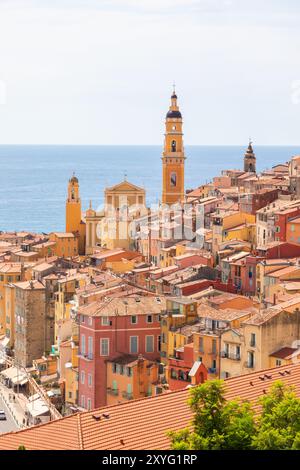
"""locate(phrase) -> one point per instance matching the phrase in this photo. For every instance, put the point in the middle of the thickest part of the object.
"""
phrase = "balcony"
(231, 356)
(113, 391)
(86, 356)
(127, 396)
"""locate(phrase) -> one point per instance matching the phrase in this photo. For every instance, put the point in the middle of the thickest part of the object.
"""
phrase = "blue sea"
(33, 179)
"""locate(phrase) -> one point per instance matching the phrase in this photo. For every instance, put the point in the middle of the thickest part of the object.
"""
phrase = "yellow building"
(223, 223)
(245, 232)
(66, 244)
(9, 290)
(74, 222)
(63, 304)
(69, 371)
(263, 269)
(9, 273)
(173, 158)
(179, 312)
(111, 227)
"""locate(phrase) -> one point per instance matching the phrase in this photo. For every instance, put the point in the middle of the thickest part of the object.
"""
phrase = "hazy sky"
(101, 71)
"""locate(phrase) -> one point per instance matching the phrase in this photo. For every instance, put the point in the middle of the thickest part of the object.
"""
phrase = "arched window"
(173, 145)
(173, 179)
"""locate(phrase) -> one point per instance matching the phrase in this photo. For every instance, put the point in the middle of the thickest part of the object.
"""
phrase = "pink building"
(108, 329)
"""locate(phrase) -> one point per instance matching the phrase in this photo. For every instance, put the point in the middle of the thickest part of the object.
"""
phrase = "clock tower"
(173, 156)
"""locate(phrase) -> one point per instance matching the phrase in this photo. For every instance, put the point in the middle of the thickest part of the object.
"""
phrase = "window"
(133, 344)
(82, 377)
(173, 145)
(238, 352)
(129, 371)
(158, 343)
(253, 340)
(105, 321)
(201, 345)
(90, 320)
(82, 401)
(133, 319)
(104, 347)
(173, 179)
(214, 346)
(114, 368)
(278, 362)
(90, 380)
(149, 344)
(149, 319)
(83, 344)
(90, 347)
(89, 404)
(250, 362)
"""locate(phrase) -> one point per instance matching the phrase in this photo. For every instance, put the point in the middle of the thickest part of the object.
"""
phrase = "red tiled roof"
(139, 424)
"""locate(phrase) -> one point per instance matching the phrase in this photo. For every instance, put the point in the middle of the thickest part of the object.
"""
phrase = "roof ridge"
(80, 433)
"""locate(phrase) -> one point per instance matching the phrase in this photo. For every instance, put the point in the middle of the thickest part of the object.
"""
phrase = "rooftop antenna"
(125, 175)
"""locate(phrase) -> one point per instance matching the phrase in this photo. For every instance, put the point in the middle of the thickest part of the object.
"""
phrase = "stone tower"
(173, 156)
(250, 160)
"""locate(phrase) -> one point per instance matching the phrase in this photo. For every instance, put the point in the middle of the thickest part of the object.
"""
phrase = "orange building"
(66, 244)
(173, 156)
(74, 223)
(130, 377)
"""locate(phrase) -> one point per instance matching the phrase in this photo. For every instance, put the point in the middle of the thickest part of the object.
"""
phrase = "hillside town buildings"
(132, 302)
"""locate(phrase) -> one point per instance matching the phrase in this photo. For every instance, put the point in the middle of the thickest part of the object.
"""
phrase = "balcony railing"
(128, 396)
(113, 391)
(232, 356)
(87, 356)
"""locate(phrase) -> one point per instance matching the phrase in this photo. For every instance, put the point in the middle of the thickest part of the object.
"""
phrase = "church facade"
(125, 202)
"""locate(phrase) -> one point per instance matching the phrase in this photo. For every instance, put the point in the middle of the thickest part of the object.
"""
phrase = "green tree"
(217, 424)
(279, 423)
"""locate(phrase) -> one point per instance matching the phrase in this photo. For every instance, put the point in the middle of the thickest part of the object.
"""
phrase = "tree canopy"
(219, 424)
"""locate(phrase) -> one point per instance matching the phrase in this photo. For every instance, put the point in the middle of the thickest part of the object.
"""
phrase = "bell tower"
(74, 223)
(173, 156)
(250, 160)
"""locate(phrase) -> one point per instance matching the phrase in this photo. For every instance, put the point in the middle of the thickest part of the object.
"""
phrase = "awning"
(20, 379)
(10, 372)
(4, 342)
(37, 408)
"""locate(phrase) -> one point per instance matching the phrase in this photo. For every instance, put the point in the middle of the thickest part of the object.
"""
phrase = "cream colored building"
(248, 348)
(110, 227)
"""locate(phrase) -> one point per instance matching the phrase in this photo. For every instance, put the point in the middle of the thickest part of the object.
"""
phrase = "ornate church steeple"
(250, 159)
(173, 155)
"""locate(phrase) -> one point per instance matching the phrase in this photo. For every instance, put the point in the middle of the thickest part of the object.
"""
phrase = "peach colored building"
(130, 377)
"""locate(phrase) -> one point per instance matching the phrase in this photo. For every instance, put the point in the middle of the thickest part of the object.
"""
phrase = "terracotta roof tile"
(123, 422)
